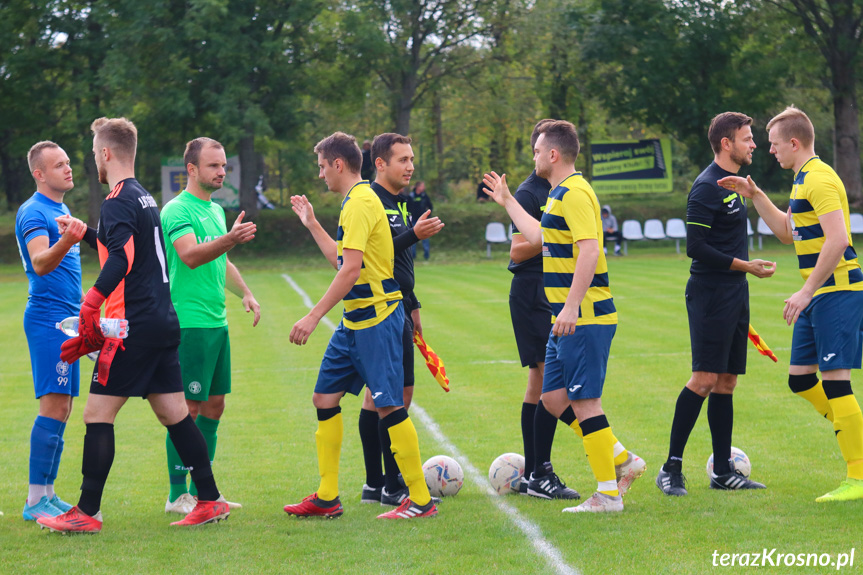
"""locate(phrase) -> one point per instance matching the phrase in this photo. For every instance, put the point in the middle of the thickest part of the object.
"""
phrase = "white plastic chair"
(676, 230)
(495, 233)
(856, 221)
(763, 230)
(653, 230)
(631, 231)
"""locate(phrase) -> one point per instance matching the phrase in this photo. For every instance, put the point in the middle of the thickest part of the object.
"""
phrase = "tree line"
(467, 79)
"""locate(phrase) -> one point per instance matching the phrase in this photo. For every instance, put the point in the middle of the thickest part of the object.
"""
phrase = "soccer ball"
(741, 462)
(444, 476)
(505, 473)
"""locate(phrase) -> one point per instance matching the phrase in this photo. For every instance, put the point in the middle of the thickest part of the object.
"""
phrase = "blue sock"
(44, 440)
(56, 465)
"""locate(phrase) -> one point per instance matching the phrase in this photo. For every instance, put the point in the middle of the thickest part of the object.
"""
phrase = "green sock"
(208, 429)
(176, 471)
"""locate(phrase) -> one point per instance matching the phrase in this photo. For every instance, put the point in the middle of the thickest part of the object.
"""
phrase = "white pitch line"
(534, 534)
(544, 548)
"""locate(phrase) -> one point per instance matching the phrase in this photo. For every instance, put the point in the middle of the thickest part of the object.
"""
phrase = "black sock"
(568, 416)
(528, 413)
(544, 427)
(192, 449)
(720, 416)
(96, 464)
(371, 441)
(685, 415)
(391, 468)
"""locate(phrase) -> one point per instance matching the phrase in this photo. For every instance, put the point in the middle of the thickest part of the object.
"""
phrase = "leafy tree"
(836, 29)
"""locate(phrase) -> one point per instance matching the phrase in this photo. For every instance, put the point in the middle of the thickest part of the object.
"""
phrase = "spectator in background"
(418, 203)
(610, 230)
(367, 171)
(481, 196)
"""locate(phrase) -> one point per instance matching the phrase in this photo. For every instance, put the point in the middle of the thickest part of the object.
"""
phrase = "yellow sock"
(816, 397)
(406, 449)
(576, 428)
(848, 424)
(620, 453)
(328, 438)
(599, 447)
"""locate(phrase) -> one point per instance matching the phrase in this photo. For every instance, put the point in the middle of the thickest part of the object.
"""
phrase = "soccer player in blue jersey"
(583, 313)
(827, 312)
(366, 348)
(51, 257)
(133, 284)
(717, 304)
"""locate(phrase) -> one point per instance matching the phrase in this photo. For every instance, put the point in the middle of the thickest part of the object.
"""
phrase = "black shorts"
(408, 345)
(139, 371)
(718, 324)
(531, 317)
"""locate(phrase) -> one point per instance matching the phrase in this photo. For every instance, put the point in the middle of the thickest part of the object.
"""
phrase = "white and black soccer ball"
(506, 472)
(740, 459)
(444, 476)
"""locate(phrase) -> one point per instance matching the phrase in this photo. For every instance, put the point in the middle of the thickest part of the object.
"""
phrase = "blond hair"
(34, 156)
(794, 123)
(118, 135)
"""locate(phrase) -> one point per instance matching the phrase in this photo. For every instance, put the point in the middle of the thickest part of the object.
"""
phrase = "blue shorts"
(370, 356)
(578, 361)
(828, 332)
(50, 374)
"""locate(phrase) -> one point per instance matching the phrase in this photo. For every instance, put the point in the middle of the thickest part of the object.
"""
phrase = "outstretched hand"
(745, 187)
(303, 208)
(496, 188)
(242, 232)
(425, 227)
(72, 229)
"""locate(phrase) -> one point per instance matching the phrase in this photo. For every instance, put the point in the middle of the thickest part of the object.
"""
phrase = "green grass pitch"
(266, 453)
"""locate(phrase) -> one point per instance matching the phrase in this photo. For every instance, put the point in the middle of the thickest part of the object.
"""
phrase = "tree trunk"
(846, 143)
(16, 180)
(95, 194)
(248, 176)
(437, 116)
(404, 105)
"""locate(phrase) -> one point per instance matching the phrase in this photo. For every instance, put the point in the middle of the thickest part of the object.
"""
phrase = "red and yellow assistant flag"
(433, 361)
(760, 344)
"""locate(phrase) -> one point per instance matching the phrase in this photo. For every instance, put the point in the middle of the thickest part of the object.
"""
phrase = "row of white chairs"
(674, 229)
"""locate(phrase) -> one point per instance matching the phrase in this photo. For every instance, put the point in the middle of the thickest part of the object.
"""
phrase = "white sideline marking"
(307, 300)
(534, 534)
(544, 549)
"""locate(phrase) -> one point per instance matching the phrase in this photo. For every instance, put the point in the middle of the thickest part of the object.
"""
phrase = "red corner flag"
(433, 361)
(760, 344)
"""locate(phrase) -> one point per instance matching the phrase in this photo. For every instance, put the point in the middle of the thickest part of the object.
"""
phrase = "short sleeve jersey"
(198, 294)
(723, 213)
(57, 293)
(532, 195)
(134, 276)
(818, 190)
(363, 226)
(573, 214)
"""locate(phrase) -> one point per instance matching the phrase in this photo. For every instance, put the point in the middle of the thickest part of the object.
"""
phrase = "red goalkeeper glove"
(109, 350)
(90, 336)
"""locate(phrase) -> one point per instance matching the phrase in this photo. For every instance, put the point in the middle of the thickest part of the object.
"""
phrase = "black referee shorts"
(531, 317)
(408, 346)
(718, 324)
(139, 371)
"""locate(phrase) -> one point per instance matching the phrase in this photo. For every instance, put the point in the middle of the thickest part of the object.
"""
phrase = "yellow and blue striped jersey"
(572, 213)
(818, 190)
(363, 226)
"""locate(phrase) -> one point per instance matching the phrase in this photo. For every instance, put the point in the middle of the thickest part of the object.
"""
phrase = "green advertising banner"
(631, 167)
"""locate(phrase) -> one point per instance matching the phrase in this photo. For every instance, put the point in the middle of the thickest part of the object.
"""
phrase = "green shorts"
(205, 359)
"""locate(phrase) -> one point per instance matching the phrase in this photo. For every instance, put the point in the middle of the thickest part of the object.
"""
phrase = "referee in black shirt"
(717, 302)
(393, 160)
